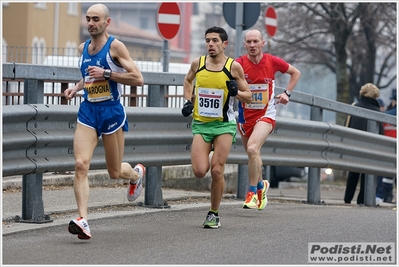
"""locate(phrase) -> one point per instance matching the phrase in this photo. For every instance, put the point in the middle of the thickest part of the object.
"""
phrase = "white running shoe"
(134, 190)
(79, 227)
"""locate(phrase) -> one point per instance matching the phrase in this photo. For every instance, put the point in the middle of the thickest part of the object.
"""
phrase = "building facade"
(32, 31)
(46, 29)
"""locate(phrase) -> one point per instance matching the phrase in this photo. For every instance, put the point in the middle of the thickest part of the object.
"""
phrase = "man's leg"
(200, 162)
(379, 194)
(84, 143)
(360, 197)
(200, 156)
(114, 145)
(222, 144)
(253, 146)
(351, 184)
(387, 183)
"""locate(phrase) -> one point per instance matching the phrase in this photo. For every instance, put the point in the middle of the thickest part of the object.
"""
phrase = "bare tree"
(356, 41)
(372, 48)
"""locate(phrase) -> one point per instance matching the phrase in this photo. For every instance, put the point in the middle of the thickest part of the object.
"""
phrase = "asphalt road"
(277, 235)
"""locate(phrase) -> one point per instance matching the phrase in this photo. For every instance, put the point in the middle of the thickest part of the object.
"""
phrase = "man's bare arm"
(244, 94)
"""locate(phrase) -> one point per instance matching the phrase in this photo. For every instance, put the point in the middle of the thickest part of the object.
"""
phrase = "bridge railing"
(38, 138)
(54, 80)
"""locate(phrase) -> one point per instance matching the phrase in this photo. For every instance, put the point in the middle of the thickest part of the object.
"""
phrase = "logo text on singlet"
(97, 89)
(210, 102)
(260, 96)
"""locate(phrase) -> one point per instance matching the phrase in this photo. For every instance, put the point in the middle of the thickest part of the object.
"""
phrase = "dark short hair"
(222, 33)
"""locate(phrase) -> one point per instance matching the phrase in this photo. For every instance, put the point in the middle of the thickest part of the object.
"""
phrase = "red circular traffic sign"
(271, 21)
(168, 20)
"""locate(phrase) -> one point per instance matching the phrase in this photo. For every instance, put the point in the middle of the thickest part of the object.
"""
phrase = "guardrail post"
(314, 186)
(243, 181)
(33, 91)
(156, 96)
(153, 189)
(370, 190)
(370, 180)
(316, 114)
(32, 200)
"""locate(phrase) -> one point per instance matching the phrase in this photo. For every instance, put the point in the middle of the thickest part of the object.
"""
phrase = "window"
(38, 50)
(73, 9)
(4, 51)
(70, 49)
(41, 5)
(144, 23)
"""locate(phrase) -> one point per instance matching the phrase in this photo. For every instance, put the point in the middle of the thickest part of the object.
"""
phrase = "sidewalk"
(109, 199)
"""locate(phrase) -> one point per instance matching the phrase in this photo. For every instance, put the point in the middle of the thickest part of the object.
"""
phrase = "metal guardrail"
(325, 145)
(38, 138)
(44, 73)
(21, 71)
(49, 76)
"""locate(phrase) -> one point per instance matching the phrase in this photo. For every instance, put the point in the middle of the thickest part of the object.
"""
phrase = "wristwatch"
(107, 74)
(288, 93)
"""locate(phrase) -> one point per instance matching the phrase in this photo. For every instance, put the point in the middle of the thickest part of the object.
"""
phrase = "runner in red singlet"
(257, 119)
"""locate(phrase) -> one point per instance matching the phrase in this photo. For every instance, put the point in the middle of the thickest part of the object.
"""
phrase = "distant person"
(384, 192)
(382, 104)
(256, 120)
(218, 80)
(105, 63)
(392, 105)
(367, 99)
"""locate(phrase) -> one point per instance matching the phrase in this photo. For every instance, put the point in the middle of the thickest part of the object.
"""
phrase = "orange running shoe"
(251, 201)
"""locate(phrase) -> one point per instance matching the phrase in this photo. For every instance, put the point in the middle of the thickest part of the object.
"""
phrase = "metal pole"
(153, 190)
(370, 190)
(370, 179)
(239, 27)
(314, 186)
(243, 181)
(166, 56)
(165, 68)
(32, 201)
(33, 91)
(316, 114)
(155, 96)
(268, 45)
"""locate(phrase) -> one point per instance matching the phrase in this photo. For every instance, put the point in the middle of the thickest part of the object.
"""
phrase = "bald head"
(253, 42)
(253, 33)
(97, 19)
(99, 9)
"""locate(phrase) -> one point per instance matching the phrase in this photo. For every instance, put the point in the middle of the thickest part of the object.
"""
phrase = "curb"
(177, 177)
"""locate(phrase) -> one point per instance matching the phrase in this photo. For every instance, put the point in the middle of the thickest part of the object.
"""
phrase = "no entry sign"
(271, 21)
(168, 20)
